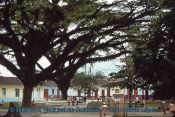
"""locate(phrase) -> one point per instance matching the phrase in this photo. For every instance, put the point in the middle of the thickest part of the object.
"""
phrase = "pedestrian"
(68, 100)
(73, 101)
(77, 99)
(98, 98)
(84, 99)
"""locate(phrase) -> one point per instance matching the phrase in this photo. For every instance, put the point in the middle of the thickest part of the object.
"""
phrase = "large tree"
(91, 53)
(155, 59)
(80, 31)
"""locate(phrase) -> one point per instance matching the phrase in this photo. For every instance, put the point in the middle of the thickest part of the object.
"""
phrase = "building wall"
(53, 93)
(72, 92)
(51, 90)
(117, 90)
(37, 94)
(10, 93)
(140, 93)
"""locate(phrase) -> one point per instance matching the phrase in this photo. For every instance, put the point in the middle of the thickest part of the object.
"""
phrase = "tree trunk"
(89, 93)
(29, 83)
(130, 96)
(27, 96)
(64, 89)
(146, 94)
(64, 95)
(63, 84)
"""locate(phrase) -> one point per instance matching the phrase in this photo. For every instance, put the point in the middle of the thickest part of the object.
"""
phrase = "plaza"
(63, 105)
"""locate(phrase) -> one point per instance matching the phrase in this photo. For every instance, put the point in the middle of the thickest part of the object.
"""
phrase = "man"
(84, 99)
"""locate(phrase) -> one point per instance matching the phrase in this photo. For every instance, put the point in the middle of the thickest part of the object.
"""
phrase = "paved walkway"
(63, 104)
(71, 115)
(150, 114)
(88, 114)
(4, 111)
(134, 114)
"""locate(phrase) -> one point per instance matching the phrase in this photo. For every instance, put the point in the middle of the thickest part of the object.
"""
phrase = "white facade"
(14, 93)
(72, 92)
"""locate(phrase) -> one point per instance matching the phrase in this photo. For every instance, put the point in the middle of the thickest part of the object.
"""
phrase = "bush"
(94, 104)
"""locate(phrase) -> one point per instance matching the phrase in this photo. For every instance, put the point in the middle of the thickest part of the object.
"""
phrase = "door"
(103, 93)
(46, 96)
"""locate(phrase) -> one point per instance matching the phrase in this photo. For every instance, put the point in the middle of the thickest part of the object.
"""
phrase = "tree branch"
(10, 66)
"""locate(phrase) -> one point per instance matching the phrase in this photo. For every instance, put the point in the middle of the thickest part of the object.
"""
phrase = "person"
(137, 99)
(164, 106)
(53, 96)
(33, 102)
(68, 100)
(98, 98)
(77, 100)
(84, 99)
(142, 103)
(92, 99)
(137, 102)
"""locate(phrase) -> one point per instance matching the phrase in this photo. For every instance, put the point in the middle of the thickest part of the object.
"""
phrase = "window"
(53, 91)
(4, 92)
(38, 89)
(16, 92)
(116, 90)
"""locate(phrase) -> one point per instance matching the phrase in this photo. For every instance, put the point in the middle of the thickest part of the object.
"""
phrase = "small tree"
(127, 74)
(84, 83)
(99, 75)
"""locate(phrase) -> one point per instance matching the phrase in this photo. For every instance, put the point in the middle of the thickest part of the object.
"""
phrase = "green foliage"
(84, 82)
(6, 105)
(99, 75)
(70, 35)
(94, 104)
(120, 74)
(154, 104)
(155, 61)
(126, 73)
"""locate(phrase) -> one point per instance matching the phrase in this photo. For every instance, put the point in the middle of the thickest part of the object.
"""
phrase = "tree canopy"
(156, 57)
(84, 82)
(77, 31)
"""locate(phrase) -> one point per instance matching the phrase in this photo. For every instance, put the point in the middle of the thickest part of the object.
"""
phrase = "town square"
(87, 58)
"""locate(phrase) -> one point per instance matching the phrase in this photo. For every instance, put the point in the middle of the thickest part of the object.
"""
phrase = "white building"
(11, 89)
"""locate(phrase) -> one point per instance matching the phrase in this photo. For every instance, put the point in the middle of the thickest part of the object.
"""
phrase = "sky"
(5, 72)
(105, 67)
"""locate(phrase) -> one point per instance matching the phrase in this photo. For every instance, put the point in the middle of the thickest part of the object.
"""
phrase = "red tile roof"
(103, 82)
(10, 81)
(16, 81)
(50, 83)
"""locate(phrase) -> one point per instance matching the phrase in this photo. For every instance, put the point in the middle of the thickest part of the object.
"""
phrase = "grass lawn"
(148, 104)
(139, 116)
(153, 104)
(94, 104)
(6, 105)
